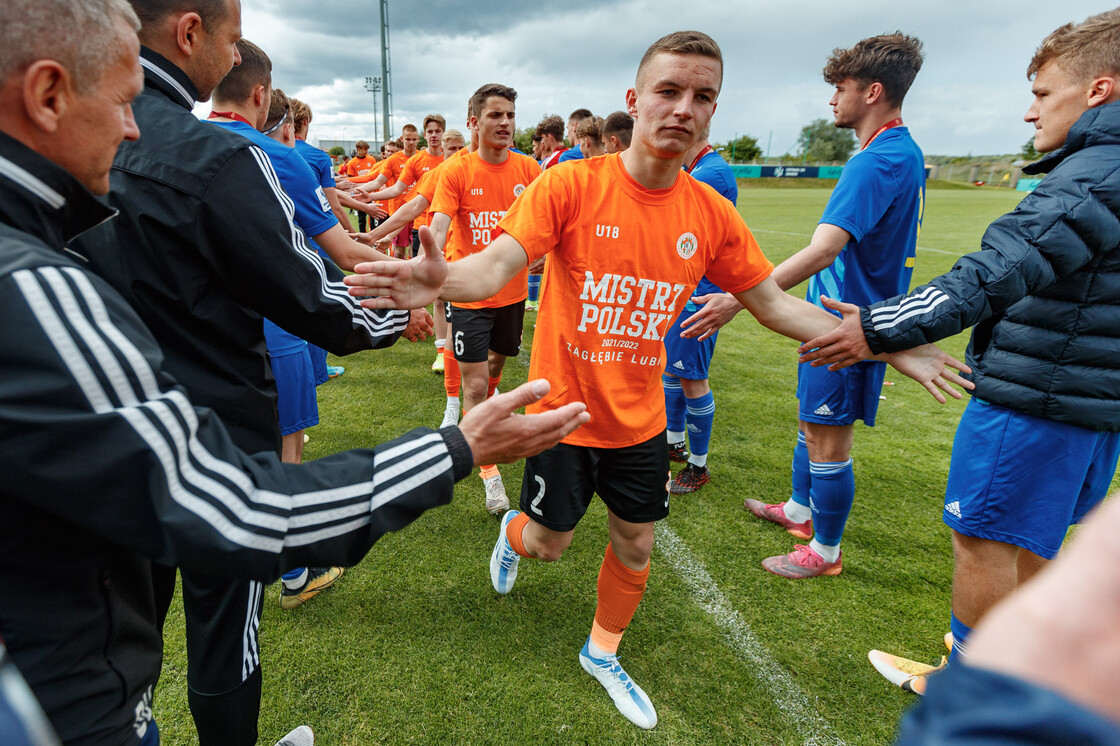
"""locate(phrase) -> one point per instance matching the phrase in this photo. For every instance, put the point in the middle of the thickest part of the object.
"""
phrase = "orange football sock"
(492, 386)
(514, 533)
(488, 470)
(620, 591)
(452, 378)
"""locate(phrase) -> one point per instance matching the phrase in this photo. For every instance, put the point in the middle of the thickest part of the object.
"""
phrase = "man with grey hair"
(204, 248)
(154, 478)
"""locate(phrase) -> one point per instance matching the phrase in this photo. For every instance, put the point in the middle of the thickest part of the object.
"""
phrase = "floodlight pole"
(387, 84)
(373, 85)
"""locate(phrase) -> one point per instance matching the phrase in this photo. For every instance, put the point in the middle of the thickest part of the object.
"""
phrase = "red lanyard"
(705, 151)
(230, 115)
(889, 125)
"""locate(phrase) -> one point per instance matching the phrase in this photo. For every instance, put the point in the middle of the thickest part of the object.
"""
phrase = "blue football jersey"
(879, 200)
(713, 171)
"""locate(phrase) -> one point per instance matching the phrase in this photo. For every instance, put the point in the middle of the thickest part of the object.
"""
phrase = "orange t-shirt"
(475, 195)
(426, 187)
(623, 260)
(360, 166)
(369, 174)
(417, 166)
(392, 169)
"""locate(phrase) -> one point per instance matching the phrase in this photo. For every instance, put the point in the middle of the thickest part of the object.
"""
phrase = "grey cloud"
(969, 96)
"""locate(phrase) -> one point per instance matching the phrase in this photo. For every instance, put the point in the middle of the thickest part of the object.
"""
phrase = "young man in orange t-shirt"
(390, 174)
(416, 205)
(360, 165)
(424, 161)
(474, 193)
(629, 236)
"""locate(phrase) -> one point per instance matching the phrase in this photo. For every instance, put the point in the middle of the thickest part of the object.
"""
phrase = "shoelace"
(615, 668)
(508, 556)
(805, 555)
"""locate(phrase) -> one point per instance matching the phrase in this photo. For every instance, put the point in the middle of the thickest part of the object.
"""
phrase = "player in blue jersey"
(689, 406)
(320, 164)
(575, 119)
(864, 247)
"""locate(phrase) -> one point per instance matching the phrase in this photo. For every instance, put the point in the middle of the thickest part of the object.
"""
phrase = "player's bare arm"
(497, 435)
(784, 314)
(388, 192)
(408, 212)
(827, 243)
(374, 185)
(798, 319)
(370, 209)
(336, 207)
(843, 346)
(846, 345)
(440, 225)
(419, 281)
(345, 251)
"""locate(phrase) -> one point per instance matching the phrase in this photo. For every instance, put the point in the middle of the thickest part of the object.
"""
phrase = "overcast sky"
(969, 97)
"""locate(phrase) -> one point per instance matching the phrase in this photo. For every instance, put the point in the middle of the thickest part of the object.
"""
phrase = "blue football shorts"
(1025, 480)
(688, 358)
(840, 397)
(296, 406)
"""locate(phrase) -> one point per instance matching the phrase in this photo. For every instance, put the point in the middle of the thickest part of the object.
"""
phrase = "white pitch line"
(786, 694)
(810, 235)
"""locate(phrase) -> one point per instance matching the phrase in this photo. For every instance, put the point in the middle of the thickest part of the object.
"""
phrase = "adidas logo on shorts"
(823, 411)
(953, 508)
(678, 365)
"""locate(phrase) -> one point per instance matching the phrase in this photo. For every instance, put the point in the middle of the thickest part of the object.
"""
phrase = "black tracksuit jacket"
(107, 465)
(205, 246)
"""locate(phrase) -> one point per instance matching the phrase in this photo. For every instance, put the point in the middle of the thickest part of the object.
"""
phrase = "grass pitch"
(413, 646)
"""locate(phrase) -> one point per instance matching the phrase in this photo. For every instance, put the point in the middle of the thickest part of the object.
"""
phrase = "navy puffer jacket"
(1043, 292)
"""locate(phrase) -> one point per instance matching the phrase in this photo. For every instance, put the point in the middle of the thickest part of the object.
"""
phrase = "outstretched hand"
(719, 308)
(497, 435)
(395, 284)
(843, 346)
(931, 366)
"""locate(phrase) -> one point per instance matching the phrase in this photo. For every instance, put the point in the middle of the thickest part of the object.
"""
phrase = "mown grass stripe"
(787, 696)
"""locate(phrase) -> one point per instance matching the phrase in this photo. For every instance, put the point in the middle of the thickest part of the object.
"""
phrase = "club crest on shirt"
(517, 190)
(687, 245)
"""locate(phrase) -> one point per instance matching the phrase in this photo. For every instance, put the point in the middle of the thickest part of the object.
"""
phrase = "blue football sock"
(833, 491)
(960, 631)
(534, 288)
(801, 478)
(294, 578)
(674, 403)
(699, 414)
